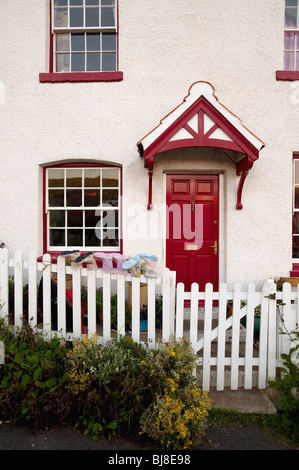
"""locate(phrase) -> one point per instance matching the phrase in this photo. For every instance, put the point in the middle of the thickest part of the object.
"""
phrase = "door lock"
(215, 246)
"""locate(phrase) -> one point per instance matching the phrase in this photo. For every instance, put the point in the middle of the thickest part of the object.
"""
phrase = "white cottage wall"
(163, 48)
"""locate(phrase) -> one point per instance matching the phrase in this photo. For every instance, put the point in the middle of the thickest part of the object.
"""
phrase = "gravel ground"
(63, 438)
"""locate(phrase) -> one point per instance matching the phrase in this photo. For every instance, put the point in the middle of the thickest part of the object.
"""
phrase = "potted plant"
(257, 321)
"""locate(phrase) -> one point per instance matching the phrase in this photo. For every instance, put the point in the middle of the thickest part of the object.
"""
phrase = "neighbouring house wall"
(164, 47)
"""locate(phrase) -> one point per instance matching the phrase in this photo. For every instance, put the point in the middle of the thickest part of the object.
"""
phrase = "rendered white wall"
(164, 47)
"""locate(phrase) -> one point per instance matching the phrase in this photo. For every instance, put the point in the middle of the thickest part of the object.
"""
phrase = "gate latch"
(270, 296)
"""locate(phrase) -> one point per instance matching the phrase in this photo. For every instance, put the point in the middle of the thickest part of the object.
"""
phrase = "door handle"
(215, 246)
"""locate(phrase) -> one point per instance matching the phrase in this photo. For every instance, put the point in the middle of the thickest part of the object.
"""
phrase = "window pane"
(108, 16)
(296, 223)
(291, 3)
(60, 3)
(76, 17)
(92, 17)
(74, 178)
(108, 61)
(110, 237)
(110, 219)
(110, 197)
(74, 218)
(108, 2)
(289, 60)
(291, 18)
(62, 62)
(289, 40)
(92, 2)
(62, 42)
(78, 62)
(93, 42)
(297, 60)
(57, 237)
(60, 17)
(78, 43)
(295, 247)
(55, 178)
(296, 198)
(93, 62)
(92, 198)
(57, 218)
(93, 237)
(109, 42)
(74, 197)
(75, 237)
(56, 197)
(91, 219)
(76, 2)
(92, 178)
(110, 177)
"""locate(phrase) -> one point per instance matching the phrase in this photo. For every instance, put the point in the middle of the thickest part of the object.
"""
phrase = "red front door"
(192, 245)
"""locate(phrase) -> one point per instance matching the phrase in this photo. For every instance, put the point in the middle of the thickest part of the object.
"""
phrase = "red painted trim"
(287, 75)
(150, 184)
(240, 143)
(240, 189)
(81, 77)
(51, 52)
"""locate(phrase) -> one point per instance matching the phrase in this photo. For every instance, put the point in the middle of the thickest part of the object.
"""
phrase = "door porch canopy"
(201, 121)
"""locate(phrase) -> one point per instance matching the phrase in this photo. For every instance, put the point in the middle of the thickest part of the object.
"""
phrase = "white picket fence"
(31, 271)
(228, 353)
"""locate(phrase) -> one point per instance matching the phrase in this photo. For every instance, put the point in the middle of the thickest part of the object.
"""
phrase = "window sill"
(287, 75)
(80, 77)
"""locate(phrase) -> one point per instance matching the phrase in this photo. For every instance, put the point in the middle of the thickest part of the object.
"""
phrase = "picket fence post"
(46, 274)
(32, 290)
(4, 293)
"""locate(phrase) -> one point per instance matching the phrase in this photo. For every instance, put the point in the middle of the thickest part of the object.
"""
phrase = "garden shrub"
(288, 387)
(101, 390)
(32, 378)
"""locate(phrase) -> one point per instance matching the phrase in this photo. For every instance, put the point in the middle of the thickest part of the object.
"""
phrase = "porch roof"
(202, 121)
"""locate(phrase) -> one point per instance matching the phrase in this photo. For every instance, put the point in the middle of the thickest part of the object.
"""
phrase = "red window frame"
(287, 75)
(53, 77)
(55, 253)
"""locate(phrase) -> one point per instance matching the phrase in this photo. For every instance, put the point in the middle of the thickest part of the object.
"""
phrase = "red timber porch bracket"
(201, 121)
(243, 167)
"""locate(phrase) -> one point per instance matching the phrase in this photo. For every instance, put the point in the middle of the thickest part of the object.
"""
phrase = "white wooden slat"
(235, 337)
(106, 307)
(91, 302)
(18, 288)
(286, 314)
(272, 324)
(32, 290)
(194, 315)
(136, 309)
(262, 374)
(221, 336)
(151, 312)
(77, 320)
(166, 327)
(180, 311)
(249, 337)
(46, 274)
(121, 321)
(4, 297)
(206, 366)
(61, 301)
